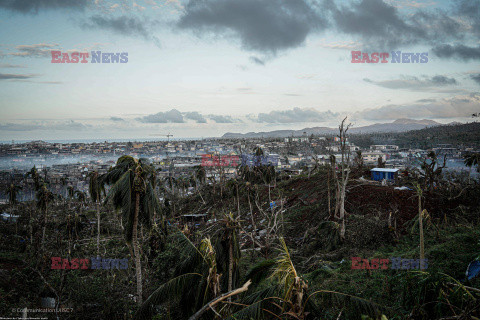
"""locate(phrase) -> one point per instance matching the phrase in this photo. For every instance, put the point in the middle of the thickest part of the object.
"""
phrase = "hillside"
(266, 233)
(399, 125)
(467, 134)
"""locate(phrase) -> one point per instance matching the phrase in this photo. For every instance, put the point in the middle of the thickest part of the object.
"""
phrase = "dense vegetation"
(468, 134)
(272, 247)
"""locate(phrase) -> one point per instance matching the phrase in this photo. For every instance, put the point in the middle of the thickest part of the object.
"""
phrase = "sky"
(201, 68)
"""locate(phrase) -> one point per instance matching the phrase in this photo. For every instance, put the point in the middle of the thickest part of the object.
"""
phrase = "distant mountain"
(399, 125)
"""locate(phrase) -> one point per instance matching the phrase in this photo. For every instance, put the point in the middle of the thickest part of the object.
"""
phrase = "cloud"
(414, 83)
(221, 119)
(138, 7)
(470, 11)
(410, 4)
(425, 100)
(40, 50)
(9, 76)
(475, 77)
(123, 25)
(44, 125)
(257, 60)
(296, 115)
(195, 116)
(382, 26)
(457, 106)
(175, 116)
(347, 45)
(172, 116)
(459, 52)
(261, 26)
(33, 6)
(116, 119)
(8, 65)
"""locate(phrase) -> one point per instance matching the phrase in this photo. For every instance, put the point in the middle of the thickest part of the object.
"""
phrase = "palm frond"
(261, 304)
(195, 257)
(355, 305)
(166, 292)
(260, 271)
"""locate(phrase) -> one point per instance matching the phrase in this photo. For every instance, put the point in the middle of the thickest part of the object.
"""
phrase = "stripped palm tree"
(96, 188)
(471, 159)
(133, 193)
(70, 195)
(12, 192)
(421, 214)
(63, 183)
(36, 178)
(81, 198)
(44, 197)
(228, 245)
(200, 174)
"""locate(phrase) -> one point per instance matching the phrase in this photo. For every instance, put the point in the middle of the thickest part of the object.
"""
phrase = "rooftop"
(384, 170)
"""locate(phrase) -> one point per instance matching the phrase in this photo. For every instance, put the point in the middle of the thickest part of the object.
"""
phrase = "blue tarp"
(473, 270)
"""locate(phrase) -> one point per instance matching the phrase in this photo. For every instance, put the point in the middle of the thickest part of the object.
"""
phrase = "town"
(178, 158)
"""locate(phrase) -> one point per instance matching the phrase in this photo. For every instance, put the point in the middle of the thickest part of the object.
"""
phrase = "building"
(380, 174)
(372, 157)
(384, 147)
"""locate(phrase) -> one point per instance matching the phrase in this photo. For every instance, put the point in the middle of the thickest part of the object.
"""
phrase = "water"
(101, 140)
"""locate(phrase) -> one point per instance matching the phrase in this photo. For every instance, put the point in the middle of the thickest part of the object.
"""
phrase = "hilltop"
(399, 125)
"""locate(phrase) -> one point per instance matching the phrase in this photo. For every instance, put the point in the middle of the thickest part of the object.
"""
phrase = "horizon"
(223, 136)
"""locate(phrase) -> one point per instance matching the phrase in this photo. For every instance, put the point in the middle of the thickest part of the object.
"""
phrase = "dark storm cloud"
(414, 83)
(381, 25)
(195, 116)
(262, 26)
(296, 115)
(173, 116)
(470, 11)
(271, 26)
(460, 52)
(33, 6)
(123, 25)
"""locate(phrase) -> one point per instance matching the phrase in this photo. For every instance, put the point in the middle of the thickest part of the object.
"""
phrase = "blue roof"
(384, 170)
